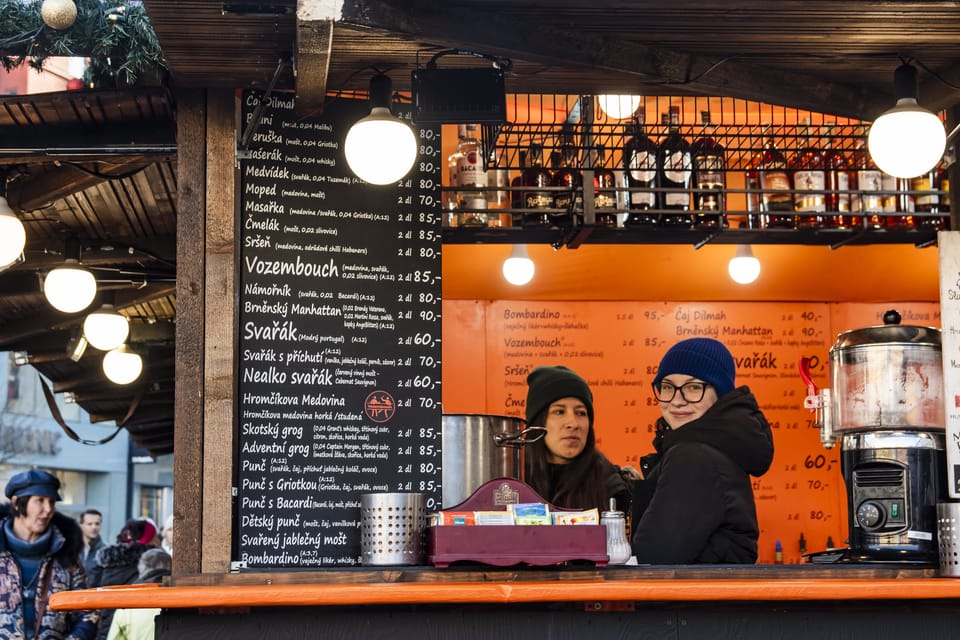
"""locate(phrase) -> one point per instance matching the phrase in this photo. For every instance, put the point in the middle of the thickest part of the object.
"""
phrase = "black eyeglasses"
(689, 391)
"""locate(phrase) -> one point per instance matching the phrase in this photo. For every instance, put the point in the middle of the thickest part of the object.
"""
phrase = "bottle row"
(676, 183)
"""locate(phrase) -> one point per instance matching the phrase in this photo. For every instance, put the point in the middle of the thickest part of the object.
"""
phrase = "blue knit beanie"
(703, 358)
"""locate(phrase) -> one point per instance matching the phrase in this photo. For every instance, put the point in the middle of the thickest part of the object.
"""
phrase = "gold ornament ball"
(58, 14)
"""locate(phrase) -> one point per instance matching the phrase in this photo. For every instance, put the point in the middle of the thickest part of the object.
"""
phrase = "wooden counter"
(619, 584)
(796, 602)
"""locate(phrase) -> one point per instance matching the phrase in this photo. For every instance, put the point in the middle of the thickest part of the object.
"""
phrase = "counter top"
(428, 585)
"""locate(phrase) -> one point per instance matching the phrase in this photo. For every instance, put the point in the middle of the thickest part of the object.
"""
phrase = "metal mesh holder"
(948, 538)
(392, 528)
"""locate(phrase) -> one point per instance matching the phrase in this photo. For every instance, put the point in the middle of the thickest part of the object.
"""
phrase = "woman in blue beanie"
(564, 466)
(695, 503)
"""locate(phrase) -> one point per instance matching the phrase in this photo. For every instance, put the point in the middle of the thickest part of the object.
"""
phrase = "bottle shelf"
(575, 236)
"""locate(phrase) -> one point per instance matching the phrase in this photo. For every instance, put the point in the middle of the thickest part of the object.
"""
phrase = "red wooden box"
(518, 544)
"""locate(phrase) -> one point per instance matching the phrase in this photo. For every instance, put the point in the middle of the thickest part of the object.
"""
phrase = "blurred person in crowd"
(90, 522)
(564, 466)
(117, 563)
(39, 556)
(695, 503)
(138, 624)
(166, 535)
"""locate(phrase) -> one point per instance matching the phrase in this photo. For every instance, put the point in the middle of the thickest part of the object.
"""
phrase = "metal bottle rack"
(741, 127)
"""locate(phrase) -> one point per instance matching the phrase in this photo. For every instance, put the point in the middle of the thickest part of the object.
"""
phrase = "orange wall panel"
(616, 346)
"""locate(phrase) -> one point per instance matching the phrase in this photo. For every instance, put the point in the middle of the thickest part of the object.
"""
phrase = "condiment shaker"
(618, 547)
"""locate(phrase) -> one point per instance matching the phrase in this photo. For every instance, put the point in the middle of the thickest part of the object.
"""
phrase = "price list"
(616, 347)
(339, 367)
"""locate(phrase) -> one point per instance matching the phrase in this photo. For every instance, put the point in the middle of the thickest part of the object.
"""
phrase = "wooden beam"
(615, 59)
(220, 339)
(188, 391)
(312, 59)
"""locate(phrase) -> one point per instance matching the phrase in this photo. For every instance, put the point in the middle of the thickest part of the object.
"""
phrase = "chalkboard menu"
(339, 345)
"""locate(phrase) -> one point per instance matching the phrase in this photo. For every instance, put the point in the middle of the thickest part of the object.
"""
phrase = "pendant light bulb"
(618, 107)
(122, 365)
(518, 269)
(380, 148)
(744, 267)
(105, 329)
(12, 235)
(907, 140)
(70, 288)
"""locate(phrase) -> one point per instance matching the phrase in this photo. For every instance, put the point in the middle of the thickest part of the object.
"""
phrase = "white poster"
(948, 243)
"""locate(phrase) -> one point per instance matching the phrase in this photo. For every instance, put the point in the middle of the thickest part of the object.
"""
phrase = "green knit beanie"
(547, 384)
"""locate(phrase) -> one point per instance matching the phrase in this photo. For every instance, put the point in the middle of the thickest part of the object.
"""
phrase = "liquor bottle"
(751, 187)
(775, 197)
(516, 193)
(927, 199)
(869, 184)
(944, 199)
(536, 201)
(837, 167)
(470, 173)
(674, 171)
(898, 199)
(498, 196)
(709, 165)
(605, 190)
(809, 181)
(640, 166)
(567, 175)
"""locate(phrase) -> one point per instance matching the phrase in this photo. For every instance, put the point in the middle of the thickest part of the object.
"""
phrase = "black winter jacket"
(695, 503)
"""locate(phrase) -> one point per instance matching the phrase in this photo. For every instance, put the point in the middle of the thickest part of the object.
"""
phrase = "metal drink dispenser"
(885, 406)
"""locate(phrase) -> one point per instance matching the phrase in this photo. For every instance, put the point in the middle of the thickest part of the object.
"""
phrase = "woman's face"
(37, 519)
(679, 411)
(567, 427)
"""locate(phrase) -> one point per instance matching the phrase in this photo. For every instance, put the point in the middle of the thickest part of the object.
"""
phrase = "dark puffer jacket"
(116, 564)
(65, 574)
(695, 503)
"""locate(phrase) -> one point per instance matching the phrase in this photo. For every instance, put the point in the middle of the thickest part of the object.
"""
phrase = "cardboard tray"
(519, 544)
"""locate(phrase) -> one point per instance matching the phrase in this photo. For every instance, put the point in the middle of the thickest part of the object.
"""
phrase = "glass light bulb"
(518, 269)
(122, 365)
(106, 329)
(907, 141)
(70, 288)
(744, 267)
(380, 148)
(618, 107)
(12, 235)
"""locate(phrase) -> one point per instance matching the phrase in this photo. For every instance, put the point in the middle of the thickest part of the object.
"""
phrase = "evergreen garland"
(117, 38)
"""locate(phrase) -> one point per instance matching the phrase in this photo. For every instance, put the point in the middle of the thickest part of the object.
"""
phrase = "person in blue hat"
(39, 556)
(695, 503)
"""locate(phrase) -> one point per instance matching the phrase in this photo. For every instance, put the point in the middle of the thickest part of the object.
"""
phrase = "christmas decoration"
(58, 14)
(117, 38)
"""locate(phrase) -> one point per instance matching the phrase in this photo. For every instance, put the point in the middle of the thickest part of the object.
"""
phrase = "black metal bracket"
(257, 114)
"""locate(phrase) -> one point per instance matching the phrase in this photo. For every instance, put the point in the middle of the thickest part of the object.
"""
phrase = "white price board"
(949, 247)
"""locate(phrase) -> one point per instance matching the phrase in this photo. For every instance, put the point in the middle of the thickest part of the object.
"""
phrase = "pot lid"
(891, 332)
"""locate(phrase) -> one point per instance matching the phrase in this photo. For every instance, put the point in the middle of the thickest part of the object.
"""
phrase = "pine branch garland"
(117, 38)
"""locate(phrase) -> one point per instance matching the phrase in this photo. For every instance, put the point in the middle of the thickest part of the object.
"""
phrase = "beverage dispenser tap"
(819, 402)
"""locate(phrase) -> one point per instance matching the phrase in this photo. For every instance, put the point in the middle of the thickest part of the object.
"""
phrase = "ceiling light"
(12, 235)
(122, 365)
(907, 140)
(380, 148)
(70, 288)
(518, 268)
(744, 267)
(105, 329)
(618, 107)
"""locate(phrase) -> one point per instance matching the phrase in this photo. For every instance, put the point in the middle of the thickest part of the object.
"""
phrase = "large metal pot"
(888, 376)
(477, 448)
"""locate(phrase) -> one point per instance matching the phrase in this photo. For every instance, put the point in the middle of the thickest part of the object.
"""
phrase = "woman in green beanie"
(564, 466)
